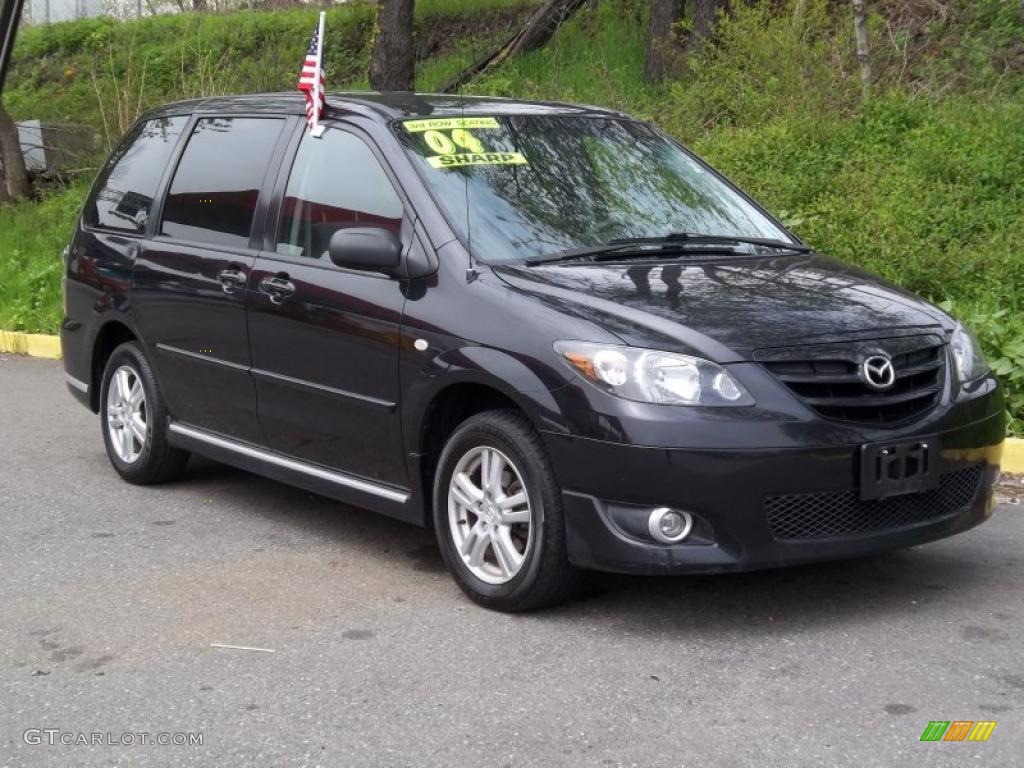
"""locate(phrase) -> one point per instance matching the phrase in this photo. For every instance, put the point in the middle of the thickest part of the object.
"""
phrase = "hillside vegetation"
(922, 183)
(100, 71)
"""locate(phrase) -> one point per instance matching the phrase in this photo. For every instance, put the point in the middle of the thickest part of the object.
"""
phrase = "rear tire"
(498, 515)
(133, 418)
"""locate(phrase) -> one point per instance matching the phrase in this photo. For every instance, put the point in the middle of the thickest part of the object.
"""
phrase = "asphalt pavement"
(114, 600)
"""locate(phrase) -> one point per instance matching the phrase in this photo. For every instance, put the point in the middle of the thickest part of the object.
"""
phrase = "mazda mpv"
(547, 331)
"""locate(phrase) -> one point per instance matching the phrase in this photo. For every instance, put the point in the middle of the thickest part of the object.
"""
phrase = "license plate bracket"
(898, 467)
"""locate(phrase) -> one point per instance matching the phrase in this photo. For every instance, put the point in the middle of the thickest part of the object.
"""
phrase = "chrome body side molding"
(81, 386)
(293, 465)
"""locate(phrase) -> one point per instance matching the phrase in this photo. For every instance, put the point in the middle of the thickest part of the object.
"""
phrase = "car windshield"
(519, 187)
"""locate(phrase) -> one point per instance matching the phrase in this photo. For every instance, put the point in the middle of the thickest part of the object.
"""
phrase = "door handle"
(230, 279)
(277, 288)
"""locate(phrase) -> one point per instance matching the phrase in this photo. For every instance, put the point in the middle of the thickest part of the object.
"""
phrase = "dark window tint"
(128, 183)
(335, 182)
(213, 196)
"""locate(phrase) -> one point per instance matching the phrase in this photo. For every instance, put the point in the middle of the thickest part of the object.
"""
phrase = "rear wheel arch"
(133, 419)
(112, 335)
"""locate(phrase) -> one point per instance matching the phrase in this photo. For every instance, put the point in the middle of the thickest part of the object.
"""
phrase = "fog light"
(669, 526)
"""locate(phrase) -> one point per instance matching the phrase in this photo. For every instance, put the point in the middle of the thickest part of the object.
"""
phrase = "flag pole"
(317, 130)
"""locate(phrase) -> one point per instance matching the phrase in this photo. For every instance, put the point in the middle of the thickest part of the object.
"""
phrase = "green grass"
(87, 67)
(32, 236)
(597, 58)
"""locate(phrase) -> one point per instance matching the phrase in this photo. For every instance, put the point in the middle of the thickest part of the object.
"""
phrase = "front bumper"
(608, 489)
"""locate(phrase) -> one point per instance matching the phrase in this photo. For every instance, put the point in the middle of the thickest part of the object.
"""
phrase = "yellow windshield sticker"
(477, 158)
(454, 144)
(445, 145)
(448, 123)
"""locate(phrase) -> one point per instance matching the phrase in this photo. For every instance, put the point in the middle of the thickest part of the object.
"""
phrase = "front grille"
(826, 515)
(827, 378)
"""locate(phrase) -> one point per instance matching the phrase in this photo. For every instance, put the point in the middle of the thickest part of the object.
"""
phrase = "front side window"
(523, 186)
(128, 183)
(213, 196)
(336, 182)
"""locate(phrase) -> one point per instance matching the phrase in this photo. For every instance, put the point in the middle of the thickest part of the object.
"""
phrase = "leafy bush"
(984, 46)
(767, 64)
(1000, 334)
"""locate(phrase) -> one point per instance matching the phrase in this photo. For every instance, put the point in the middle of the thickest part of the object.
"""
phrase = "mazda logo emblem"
(877, 372)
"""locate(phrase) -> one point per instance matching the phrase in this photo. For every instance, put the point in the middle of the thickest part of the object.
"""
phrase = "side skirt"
(385, 499)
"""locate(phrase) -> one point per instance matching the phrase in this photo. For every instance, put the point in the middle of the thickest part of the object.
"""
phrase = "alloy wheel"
(126, 414)
(489, 515)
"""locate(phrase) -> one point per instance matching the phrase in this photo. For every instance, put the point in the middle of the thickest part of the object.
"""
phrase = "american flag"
(312, 71)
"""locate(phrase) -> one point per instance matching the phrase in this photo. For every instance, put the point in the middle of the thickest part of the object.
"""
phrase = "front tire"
(498, 515)
(134, 420)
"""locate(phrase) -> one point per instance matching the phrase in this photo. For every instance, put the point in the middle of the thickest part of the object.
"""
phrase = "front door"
(325, 340)
(190, 277)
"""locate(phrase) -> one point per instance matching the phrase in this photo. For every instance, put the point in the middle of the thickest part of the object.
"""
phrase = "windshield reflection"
(582, 182)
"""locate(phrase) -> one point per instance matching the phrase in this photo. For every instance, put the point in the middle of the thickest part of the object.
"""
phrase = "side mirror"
(371, 248)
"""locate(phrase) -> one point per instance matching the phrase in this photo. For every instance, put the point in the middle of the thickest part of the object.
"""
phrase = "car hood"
(728, 308)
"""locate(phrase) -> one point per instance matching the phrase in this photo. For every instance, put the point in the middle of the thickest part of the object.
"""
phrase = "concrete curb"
(42, 345)
(32, 344)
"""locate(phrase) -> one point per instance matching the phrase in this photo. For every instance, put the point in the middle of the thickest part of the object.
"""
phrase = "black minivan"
(547, 331)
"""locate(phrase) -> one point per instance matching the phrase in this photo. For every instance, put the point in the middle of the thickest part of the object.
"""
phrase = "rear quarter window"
(123, 195)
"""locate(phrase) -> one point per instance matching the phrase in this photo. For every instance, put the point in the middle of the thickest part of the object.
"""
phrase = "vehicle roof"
(382, 106)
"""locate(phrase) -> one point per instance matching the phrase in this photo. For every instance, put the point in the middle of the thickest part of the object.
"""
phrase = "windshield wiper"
(698, 239)
(648, 247)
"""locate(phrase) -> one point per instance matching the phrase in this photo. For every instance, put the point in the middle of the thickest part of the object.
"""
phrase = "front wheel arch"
(449, 407)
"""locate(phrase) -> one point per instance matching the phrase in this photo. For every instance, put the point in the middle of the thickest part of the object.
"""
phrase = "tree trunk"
(199, 5)
(392, 62)
(860, 26)
(543, 24)
(662, 51)
(10, 18)
(15, 177)
(705, 18)
(539, 28)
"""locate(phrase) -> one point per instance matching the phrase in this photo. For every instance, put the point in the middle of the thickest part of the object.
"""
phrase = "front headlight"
(650, 376)
(967, 355)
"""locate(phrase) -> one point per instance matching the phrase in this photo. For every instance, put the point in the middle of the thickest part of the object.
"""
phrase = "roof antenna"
(471, 273)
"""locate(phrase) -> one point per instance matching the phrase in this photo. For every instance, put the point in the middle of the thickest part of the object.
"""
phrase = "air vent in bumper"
(827, 515)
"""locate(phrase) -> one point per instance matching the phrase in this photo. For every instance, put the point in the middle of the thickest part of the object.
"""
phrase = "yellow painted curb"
(1013, 456)
(32, 344)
